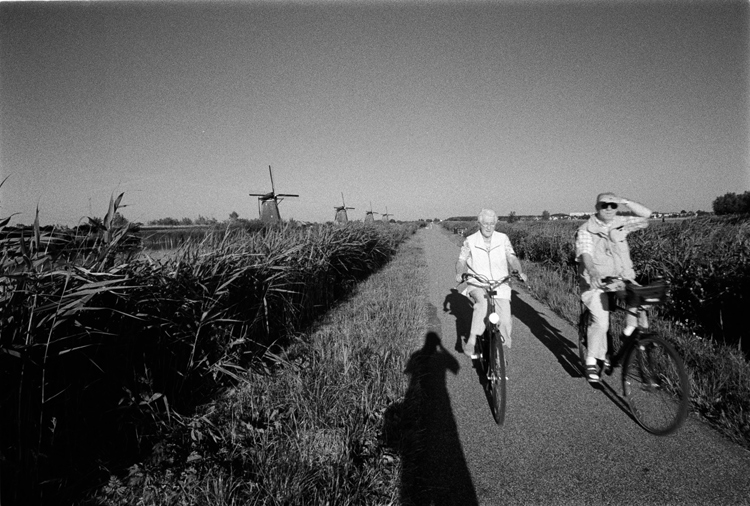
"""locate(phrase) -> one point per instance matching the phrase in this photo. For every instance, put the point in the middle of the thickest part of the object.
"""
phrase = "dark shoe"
(607, 367)
(592, 374)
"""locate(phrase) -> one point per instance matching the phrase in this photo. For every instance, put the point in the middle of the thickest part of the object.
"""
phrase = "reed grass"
(310, 430)
(103, 352)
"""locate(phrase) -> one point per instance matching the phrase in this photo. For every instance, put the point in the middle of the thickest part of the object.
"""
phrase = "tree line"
(731, 203)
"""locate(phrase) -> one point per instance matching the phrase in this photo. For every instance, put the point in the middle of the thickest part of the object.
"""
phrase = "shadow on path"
(550, 336)
(564, 350)
(423, 430)
(460, 307)
(612, 394)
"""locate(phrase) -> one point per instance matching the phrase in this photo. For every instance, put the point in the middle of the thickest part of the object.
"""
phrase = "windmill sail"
(268, 203)
(370, 215)
(341, 216)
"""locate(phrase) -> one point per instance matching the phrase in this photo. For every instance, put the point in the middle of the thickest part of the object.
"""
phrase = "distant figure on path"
(602, 250)
(488, 253)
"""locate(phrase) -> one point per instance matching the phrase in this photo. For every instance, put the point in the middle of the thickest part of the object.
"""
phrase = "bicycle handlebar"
(491, 283)
(614, 283)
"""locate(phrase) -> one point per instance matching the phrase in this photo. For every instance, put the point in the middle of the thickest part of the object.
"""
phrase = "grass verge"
(311, 430)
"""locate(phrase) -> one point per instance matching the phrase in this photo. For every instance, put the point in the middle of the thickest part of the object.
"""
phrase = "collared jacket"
(491, 262)
(608, 246)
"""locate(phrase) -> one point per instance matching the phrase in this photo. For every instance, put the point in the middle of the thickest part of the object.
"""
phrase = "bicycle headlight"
(494, 318)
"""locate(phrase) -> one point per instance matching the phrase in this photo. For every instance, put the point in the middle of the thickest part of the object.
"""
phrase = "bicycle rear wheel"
(496, 377)
(583, 325)
(655, 385)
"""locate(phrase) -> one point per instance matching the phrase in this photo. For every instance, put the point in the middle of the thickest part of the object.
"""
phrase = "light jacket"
(491, 262)
(610, 252)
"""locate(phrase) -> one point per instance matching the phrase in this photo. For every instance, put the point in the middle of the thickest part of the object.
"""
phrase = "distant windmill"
(341, 216)
(369, 217)
(268, 203)
(386, 215)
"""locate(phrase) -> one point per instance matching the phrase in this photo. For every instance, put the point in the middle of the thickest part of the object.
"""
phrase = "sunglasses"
(605, 205)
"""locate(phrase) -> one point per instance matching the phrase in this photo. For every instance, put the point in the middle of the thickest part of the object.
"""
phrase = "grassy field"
(707, 262)
(264, 442)
(106, 352)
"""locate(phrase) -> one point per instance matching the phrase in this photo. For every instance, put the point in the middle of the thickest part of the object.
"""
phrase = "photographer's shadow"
(422, 429)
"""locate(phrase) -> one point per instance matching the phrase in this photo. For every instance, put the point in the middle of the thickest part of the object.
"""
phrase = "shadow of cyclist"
(423, 430)
(562, 348)
(550, 336)
(460, 307)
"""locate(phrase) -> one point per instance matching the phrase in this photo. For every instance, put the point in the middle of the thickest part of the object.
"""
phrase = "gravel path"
(563, 441)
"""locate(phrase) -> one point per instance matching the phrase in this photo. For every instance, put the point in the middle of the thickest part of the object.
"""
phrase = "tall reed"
(310, 431)
(102, 351)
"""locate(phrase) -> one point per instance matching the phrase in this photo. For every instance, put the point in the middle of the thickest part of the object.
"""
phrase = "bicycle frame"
(654, 382)
(620, 292)
(492, 358)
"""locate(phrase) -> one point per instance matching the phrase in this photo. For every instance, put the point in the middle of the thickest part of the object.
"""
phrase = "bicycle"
(491, 344)
(654, 382)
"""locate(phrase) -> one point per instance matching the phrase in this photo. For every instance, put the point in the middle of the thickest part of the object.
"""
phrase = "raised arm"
(638, 209)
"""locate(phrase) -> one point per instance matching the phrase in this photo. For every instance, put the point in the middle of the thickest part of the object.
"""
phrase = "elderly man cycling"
(602, 251)
(489, 253)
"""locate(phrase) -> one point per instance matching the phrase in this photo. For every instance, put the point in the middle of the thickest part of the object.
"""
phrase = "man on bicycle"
(601, 251)
(488, 253)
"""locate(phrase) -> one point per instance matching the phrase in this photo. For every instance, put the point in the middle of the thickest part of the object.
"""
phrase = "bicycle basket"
(648, 295)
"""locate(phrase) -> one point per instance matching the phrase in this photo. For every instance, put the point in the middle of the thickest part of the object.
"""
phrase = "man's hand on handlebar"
(612, 284)
(595, 277)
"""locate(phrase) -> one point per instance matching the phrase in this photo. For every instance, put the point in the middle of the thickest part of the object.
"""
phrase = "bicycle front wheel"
(655, 385)
(496, 380)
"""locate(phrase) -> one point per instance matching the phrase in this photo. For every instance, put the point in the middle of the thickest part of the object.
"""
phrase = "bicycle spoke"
(655, 385)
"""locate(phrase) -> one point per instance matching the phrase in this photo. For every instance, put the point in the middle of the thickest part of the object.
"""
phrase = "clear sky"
(429, 109)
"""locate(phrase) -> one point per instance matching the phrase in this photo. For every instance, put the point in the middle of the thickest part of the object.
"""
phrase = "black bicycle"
(491, 345)
(654, 382)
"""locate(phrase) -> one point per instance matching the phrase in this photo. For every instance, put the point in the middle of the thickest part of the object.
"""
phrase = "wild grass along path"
(563, 441)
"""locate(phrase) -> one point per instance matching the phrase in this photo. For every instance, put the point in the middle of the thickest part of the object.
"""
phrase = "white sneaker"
(470, 349)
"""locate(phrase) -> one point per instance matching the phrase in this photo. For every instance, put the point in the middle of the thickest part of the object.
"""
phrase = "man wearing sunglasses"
(601, 251)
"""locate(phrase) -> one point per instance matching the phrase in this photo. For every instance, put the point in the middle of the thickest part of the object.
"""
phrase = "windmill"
(369, 217)
(341, 216)
(268, 203)
(386, 215)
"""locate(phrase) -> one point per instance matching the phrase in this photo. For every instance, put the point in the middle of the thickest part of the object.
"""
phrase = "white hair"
(488, 214)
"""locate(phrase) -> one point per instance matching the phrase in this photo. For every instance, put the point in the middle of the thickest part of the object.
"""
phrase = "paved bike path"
(563, 441)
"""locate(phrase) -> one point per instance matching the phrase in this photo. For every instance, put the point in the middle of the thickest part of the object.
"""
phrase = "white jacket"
(491, 262)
